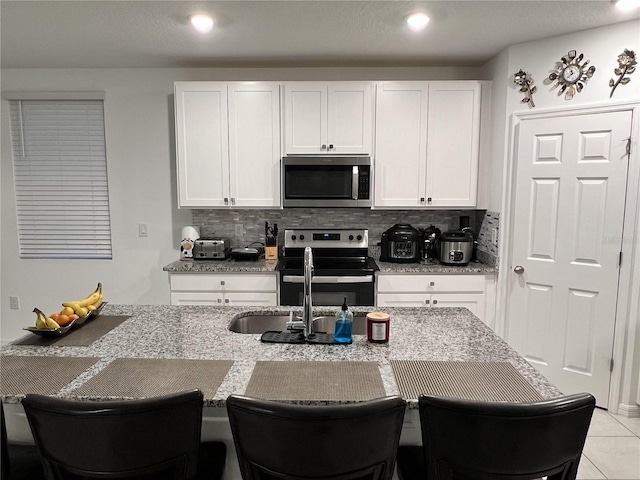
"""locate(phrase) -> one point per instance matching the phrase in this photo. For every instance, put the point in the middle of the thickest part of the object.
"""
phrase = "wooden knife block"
(271, 253)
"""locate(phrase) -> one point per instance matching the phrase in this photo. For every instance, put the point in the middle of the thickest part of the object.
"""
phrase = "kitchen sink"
(264, 323)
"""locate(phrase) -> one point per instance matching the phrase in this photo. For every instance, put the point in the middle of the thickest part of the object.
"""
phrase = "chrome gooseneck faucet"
(307, 316)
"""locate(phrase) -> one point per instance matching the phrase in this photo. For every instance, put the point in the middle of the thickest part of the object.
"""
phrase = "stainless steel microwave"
(327, 181)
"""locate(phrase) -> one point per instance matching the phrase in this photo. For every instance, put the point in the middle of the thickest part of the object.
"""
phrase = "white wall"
(602, 46)
(141, 169)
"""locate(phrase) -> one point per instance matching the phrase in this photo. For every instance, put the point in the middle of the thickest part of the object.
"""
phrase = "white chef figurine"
(189, 237)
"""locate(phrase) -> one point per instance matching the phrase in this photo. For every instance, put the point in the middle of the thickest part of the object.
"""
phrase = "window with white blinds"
(60, 177)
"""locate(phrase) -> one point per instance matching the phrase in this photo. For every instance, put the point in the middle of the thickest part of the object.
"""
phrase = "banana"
(43, 321)
(98, 302)
(89, 300)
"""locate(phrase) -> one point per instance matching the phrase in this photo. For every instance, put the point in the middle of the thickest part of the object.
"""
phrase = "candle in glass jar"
(378, 327)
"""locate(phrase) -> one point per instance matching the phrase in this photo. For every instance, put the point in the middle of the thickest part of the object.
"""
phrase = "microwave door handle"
(354, 183)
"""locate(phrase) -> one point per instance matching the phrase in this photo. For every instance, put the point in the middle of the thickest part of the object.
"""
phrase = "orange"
(54, 316)
(63, 320)
(73, 317)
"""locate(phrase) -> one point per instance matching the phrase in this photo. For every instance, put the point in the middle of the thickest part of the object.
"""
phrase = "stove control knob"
(350, 237)
(301, 237)
(359, 237)
(293, 237)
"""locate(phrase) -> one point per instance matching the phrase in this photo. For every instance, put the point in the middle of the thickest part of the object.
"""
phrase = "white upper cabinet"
(254, 144)
(202, 143)
(401, 144)
(453, 138)
(427, 137)
(334, 117)
(228, 144)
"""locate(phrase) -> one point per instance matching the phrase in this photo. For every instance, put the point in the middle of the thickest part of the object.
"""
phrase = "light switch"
(14, 303)
(142, 229)
(239, 229)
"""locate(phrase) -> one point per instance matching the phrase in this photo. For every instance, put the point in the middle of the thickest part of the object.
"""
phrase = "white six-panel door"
(569, 196)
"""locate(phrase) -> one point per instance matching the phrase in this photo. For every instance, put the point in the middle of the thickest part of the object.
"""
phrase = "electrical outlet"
(239, 229)
(494, 236)
(142, 230)
(14, 303)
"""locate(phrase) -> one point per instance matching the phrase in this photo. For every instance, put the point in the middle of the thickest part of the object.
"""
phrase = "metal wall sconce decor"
(626, 66)
(525, 82)
(571, 76)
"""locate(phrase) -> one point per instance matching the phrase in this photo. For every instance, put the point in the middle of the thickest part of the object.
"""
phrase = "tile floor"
(612, 450)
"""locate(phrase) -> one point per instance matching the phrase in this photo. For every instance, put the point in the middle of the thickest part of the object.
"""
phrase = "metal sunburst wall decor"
(525, 82)
(626, 66)
(572, 76)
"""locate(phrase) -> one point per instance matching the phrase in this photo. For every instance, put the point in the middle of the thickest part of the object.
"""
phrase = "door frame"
(624, 387)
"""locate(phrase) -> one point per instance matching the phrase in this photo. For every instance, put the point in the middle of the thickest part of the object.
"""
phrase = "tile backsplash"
(223, 222)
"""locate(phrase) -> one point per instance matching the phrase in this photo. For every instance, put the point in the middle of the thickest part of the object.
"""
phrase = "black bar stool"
(155, 438)
(297, 442)
(498, 441)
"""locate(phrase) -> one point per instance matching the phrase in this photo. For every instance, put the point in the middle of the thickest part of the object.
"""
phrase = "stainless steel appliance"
(400, 244)
(211, 249)
(326, 181)
(341, 267)
(455, 248)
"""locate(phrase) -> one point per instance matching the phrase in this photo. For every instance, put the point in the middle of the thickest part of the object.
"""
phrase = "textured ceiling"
(91, 34)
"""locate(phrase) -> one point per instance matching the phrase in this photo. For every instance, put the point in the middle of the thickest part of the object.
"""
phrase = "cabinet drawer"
(431, 283)
(402, 300)
(207, 282)
(196, 298)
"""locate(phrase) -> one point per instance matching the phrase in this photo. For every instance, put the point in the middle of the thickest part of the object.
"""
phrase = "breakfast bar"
(152, 350)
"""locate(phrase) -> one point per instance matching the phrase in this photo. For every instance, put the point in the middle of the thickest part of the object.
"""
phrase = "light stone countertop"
(221, 266)
(266, 266)
(435, 268)
(200, 332)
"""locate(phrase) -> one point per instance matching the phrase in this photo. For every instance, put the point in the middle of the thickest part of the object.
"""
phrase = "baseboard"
(630, 411)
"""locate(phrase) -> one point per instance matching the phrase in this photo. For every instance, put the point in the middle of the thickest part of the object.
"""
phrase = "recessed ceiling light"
(627, 5)
(417, 21)
(202, 23)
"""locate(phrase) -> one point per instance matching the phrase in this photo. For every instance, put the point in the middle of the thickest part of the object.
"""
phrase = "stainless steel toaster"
(211, 249)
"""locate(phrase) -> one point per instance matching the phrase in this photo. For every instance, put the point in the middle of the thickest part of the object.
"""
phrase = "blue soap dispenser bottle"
(344, 324)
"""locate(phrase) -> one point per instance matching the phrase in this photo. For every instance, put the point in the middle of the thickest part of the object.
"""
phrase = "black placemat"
(20, 375)
(147, 377)
(486, 381)
(80, 336)
(337, 381)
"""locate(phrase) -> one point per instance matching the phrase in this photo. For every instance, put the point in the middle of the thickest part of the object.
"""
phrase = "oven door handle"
(328, 279)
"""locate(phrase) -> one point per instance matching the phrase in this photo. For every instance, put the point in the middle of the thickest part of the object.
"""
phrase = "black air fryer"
(400, 244)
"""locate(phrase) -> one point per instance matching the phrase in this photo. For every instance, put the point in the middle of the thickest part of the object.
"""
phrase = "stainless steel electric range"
(342, 267)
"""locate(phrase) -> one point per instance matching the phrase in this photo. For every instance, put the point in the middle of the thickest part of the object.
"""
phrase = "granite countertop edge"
(269, 266)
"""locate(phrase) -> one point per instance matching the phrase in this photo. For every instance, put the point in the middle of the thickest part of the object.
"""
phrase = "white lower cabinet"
(420, 290)
(234, 289)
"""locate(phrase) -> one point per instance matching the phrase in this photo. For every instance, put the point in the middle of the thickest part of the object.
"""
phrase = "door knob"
(519, 269)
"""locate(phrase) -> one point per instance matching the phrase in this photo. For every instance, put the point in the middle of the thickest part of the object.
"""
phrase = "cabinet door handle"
(331, 146)
(435, 302)
(222, 282)
(429, 200)
(219, 300)
(226, 201)
(323, 147)
(432, 284)
(233, 201)
(226, 300)
(421, 199)
(427, 302)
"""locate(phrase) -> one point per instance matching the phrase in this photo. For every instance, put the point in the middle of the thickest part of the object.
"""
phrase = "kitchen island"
(201, 333)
